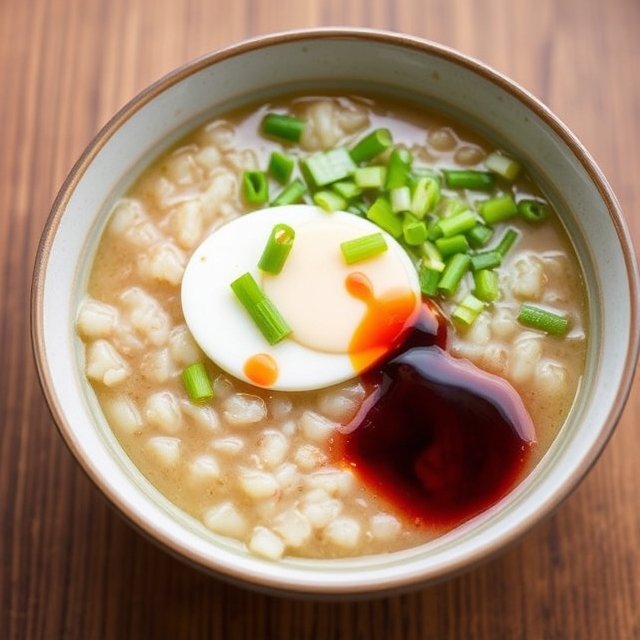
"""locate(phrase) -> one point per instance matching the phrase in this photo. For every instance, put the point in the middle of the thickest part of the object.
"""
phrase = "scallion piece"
(426, 194)
(370, 177)
(506, 242)
(458, 223)
(282, 126)
(363, 248)
(429, 279)
(498, 209)
(400, 199)
(469, 179)
(291, 194)
(347, 189)
(381, 213)
(479, 235)
(486, 260)
(542, 320)
(371, 145)
(454, 244)
(262, 311)
(502, 165)
(432, 258)
(467, 311)
(197, 382)
(327, 167)
(255, 188)
(533, 210)
(329, 201)
(453, 273)
(277, 249)
(281, 166)
(358, 208)
(435, 231)
(486, 285)
(452, 206)
(414, 231)
(398, 168)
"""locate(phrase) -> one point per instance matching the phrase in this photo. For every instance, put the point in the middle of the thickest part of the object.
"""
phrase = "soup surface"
(296, 473)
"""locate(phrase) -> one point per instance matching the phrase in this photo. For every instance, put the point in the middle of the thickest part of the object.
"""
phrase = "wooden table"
(70, 566)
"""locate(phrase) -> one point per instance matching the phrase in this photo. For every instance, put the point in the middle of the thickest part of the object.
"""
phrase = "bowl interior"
(356, 63)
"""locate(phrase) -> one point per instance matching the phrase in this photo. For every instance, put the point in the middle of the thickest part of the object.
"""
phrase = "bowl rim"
(353, 586)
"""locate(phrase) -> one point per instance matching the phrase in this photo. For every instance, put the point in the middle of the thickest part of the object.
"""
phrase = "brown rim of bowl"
(383, 37)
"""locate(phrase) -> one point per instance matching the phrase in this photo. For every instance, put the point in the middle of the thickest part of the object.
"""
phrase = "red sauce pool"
(438, 438)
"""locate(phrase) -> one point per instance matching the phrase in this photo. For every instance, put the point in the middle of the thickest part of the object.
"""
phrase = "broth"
(269, 468)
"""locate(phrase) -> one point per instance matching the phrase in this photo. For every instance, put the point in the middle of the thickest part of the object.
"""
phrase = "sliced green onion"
(453, 272)
(363, 248)
(329, 201)
(435, 231)
(432, 258)
(255, 188)
(371, 145)
(197, 382)
(452, 206)
(426, 194)
(506, 242)
(262, 311)
(326, 167)
(291, 194)
(381, 213)
(358, 208)
(454, 244)
(398, 168)
(370, 177)
(542, 320)
(400, 199)
(414, 231)
(504, 166)
(347, 189)
(469, 179)
(429, 279)
(486, 260)
(467, 311)
(458, 223)
(486, 281)
(479, 235)
(533, 210)
(281, 166)
(498, 209)
(277, 249)
(281, 126)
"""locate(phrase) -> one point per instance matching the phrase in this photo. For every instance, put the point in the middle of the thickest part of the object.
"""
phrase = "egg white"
(220, 324)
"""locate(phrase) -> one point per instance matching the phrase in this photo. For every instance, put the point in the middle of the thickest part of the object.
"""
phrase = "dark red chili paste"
(437, 437)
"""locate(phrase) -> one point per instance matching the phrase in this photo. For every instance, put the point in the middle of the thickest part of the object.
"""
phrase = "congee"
(334, 326)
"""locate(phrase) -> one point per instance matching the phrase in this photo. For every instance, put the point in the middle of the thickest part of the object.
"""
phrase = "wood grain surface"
(72, 568)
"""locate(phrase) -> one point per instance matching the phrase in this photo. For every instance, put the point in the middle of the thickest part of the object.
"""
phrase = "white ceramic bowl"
(357, 61)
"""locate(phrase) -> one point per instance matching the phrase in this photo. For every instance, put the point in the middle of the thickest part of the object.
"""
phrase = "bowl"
(358, 61)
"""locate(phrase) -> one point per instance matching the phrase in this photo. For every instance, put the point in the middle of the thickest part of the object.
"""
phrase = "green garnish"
(363, 248)
(277, 249)
(543, 320)
(255, 188)
(197, 383)
(282, 126)
(371, 145)
(263, 312)
(281, 166)
(291, 194)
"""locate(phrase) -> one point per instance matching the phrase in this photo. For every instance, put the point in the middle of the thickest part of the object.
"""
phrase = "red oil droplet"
(386, 322)
(261, 369)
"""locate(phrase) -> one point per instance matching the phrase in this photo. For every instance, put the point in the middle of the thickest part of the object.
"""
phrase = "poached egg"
(344, 318)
